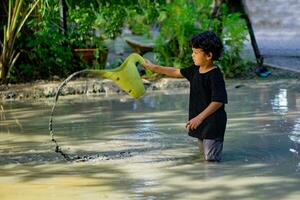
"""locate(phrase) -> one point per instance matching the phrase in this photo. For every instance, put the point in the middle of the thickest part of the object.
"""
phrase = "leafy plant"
(18, 13)
(46, 51)
(177, 25)
(81, 29)
(143, 15)
(47, 55)
(233, 35)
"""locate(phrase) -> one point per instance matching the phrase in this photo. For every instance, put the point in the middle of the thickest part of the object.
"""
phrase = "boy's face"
(201, 58)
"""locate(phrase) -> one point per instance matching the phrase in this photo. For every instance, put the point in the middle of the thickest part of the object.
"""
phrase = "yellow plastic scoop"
(126, 76)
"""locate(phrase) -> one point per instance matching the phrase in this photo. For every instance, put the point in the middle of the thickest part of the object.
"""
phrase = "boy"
(207, 116)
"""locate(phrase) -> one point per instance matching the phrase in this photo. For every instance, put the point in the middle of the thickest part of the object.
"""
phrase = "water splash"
(126, 77)
(59, 90)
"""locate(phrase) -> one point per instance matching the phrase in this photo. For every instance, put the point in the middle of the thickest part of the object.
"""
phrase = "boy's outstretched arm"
(169, 71)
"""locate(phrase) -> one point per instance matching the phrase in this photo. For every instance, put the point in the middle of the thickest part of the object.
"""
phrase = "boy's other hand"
(193, 123)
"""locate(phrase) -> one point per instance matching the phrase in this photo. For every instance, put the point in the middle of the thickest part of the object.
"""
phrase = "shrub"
(181, 19)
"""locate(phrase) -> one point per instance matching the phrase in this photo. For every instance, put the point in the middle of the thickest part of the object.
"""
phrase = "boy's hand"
(193, 123)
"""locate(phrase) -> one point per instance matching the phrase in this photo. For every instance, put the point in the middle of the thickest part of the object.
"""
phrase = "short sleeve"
(188, 72)
(218, 87)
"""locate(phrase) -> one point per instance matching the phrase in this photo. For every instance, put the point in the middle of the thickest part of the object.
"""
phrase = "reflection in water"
(295, 137)
(280, 102)
(280, 105)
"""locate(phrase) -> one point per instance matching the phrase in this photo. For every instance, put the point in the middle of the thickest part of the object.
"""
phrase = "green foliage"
(18, 13)
(89, 24)
(143, 15)
(82, 30)
(46, 52)
(177, 26)
(181, 19)
(110, 19)
(233, 36)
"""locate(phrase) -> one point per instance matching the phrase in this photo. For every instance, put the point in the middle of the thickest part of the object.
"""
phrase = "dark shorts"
(212, 149)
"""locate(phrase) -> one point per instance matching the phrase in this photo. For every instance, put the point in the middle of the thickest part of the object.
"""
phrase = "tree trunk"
(63, 16)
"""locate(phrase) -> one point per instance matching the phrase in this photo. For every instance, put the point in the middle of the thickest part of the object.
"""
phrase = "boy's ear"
(209, 56)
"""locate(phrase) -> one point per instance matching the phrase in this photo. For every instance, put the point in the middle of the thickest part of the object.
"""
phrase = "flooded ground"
(143, 149)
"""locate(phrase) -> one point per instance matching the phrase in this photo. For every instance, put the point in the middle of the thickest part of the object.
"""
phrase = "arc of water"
(126, 77)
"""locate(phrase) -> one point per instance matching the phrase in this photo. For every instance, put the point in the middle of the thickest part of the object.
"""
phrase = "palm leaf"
(26, 16)
(16, 14)
(14, 59)
(14, 25)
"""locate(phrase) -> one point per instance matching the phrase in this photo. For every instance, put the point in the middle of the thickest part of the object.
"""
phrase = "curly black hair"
(209, 42)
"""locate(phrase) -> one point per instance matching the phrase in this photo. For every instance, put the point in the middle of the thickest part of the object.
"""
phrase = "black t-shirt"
(205, 88)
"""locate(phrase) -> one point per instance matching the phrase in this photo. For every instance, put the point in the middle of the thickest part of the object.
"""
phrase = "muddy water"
(144, 152)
